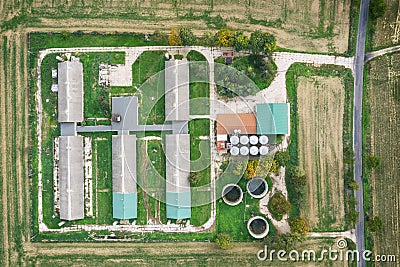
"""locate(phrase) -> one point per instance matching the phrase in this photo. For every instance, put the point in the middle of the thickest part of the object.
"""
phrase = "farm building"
(246, 123)
(71, 178)
(177, 90)
(273, 118)
(70, 91)
(177, 172)
(124, 177)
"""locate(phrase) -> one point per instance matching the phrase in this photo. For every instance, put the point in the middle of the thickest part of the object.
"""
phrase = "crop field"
(321, 131)
(383, 102)
(321, 150)
(324, 28)
(15, 140)
(387, 32)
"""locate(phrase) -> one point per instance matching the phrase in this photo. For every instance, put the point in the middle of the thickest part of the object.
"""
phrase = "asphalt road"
(357, 124)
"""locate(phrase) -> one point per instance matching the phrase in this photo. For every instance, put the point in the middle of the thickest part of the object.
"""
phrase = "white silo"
(234, 140)
(244, 139)
(234, 151)
(253, 139)
(263, 139)
(253, 150)
(264, 150)
(244, 150)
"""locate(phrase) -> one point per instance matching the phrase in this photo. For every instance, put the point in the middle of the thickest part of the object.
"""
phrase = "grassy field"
(325, 26)
(387, 28)
(321, 133)
(321, 150)
(150, 91)
(15, 140)
(381, 124)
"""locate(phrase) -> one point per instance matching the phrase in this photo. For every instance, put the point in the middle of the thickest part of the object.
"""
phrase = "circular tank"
(253, 139)
(258, 227)
(257, 187)
(234, 140)
(244, 150)
(232, 194)
(253, 150)
(264, 150)
(234, 151)
(263, 139)
(244, 140)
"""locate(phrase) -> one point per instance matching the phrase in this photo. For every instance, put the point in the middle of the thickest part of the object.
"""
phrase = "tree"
(174, 38)
(186, 35)
(373, 162)
(377, 9)
(194, 178)
(241, 41)
(299, 225)
(209, 39)
(278, 206)
(282, 157)
(297, 176)
(375, 224)
(250, 169)
(269, 43)
(353, 185)
(286, 241)
(256, 42)
(262, 42)
(224, 241)
(352, 218)
(225, 37)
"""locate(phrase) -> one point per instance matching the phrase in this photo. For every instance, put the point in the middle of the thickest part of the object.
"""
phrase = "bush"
(299, 226)
(282, 157)
(377, 9)
(224, 241)
(373, 162)
(278, 206)
(375, 224)
(186, 35)
(194, 178)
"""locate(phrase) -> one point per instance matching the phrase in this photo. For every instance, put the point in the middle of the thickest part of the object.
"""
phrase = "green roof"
(273, 118)
(178, 205)
(124, 206)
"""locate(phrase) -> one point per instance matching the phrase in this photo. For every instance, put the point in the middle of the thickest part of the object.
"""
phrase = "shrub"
(224, 241)
(299, 226)
(278, 206)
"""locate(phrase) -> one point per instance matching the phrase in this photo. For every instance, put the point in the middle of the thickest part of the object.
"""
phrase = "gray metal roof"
(70, 91)
(124, 163)
(177, 153)
(177, 90)
(71, 178)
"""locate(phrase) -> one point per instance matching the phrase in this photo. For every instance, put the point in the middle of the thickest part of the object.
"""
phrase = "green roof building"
(273, 118)
(124, 206)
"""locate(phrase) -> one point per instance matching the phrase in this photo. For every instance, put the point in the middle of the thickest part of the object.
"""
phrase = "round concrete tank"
(232, 194)
(258, 227)
(257, 187)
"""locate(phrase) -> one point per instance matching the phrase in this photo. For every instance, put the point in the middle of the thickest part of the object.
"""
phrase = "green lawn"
(150, 91)
(42, 40)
